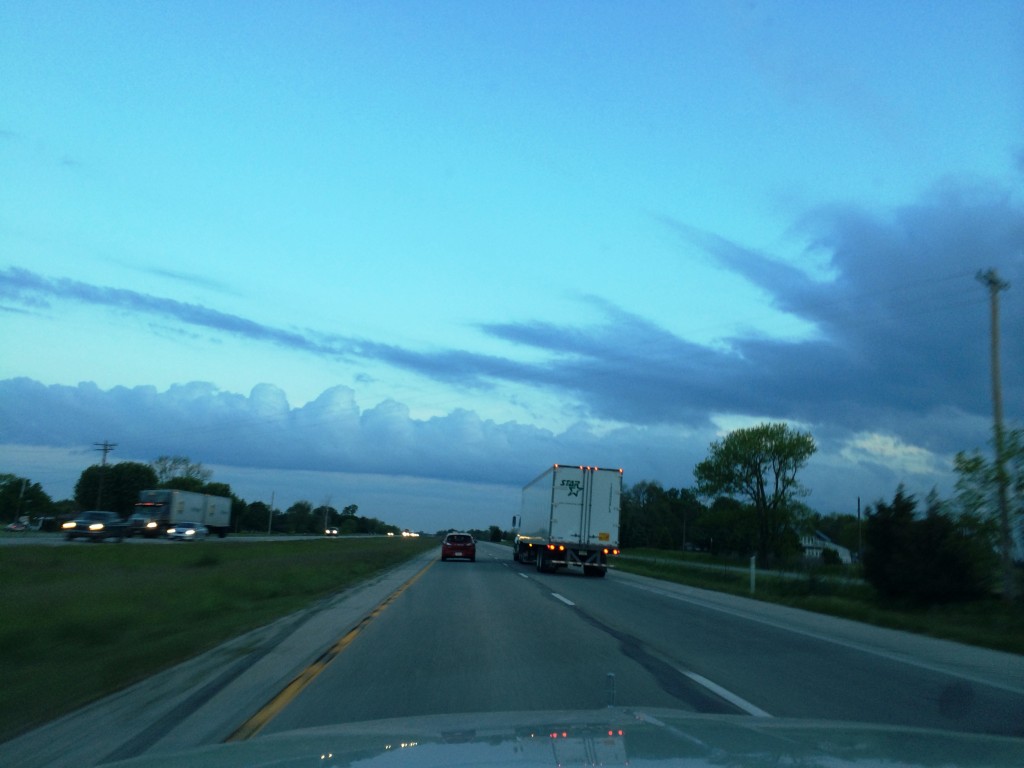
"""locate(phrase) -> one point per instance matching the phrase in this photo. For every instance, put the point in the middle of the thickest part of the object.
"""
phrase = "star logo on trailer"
(574, 486)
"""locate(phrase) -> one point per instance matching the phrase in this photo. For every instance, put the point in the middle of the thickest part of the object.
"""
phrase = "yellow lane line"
(272, 708)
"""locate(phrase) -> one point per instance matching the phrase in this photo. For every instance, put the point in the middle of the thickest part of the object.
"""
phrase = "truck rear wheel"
(543, 565)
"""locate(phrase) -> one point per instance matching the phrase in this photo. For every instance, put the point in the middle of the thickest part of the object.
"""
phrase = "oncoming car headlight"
(68, 524)
(96, 526)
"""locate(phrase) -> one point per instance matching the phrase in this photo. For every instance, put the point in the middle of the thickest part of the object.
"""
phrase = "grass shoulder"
(837, 591)
(84, 620)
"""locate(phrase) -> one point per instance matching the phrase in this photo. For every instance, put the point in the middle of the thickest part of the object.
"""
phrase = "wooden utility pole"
(995, 285)
(106, 447)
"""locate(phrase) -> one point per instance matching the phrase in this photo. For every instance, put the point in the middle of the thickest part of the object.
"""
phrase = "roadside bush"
(924, 561)
(830, 557)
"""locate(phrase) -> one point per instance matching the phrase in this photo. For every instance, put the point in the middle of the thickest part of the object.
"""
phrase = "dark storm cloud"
(904, 324)
(30, 289)
(902, 321)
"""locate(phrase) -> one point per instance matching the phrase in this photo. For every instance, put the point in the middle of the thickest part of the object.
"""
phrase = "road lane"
(765, 656)
(496, 636)
(477, 637)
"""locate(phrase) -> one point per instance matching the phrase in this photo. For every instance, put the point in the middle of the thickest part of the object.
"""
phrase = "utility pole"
(995, 285)
(106, 447)
(860, 535)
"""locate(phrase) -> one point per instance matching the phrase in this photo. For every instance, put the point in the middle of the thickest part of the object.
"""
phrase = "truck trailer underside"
(551, 558)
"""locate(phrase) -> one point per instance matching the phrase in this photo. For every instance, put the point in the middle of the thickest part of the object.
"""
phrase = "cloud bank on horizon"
(896, 373)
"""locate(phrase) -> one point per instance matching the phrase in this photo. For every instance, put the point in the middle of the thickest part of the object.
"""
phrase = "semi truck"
(158, 510)
(569, 518)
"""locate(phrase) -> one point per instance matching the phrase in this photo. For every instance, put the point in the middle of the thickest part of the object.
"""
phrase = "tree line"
(746, 501)
(115, 487)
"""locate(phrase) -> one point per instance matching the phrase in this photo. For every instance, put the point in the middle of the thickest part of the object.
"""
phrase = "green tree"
(977, 495)
(171, 469)
(326, 514)
(727, 527)
(300, 518)
(218, 489)
(937, 558)
(114, 487)
(20, 497)
(653, 516)
(759, 464)
(253, 517)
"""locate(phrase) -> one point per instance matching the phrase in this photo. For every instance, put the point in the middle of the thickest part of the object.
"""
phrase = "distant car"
(187, 531)
(458, 546)
(95, 525)
(330, 531)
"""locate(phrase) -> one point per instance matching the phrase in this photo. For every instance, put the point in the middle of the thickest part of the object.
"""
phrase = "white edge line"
(729, 696)
(851, 644)
(524, 575)
(565, 600)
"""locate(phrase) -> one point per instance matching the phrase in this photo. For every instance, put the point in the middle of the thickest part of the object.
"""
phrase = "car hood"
(611, 737)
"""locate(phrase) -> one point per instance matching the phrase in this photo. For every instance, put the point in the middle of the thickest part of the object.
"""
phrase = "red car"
(458, 546)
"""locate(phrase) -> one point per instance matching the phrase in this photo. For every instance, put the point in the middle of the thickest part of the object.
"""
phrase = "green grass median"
(80, 621)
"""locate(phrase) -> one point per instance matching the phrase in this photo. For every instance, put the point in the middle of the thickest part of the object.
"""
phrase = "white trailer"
(569, 519)
(157, 510)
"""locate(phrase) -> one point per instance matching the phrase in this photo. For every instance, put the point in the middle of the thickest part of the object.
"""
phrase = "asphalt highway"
(495, 636)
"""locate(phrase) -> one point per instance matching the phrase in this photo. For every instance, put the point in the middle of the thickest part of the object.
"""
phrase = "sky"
(407, 255)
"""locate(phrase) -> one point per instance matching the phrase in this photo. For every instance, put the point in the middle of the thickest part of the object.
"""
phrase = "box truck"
(158, 510)
(569, 518)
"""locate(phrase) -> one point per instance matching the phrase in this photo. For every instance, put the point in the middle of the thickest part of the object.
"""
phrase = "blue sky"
(406, 255)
